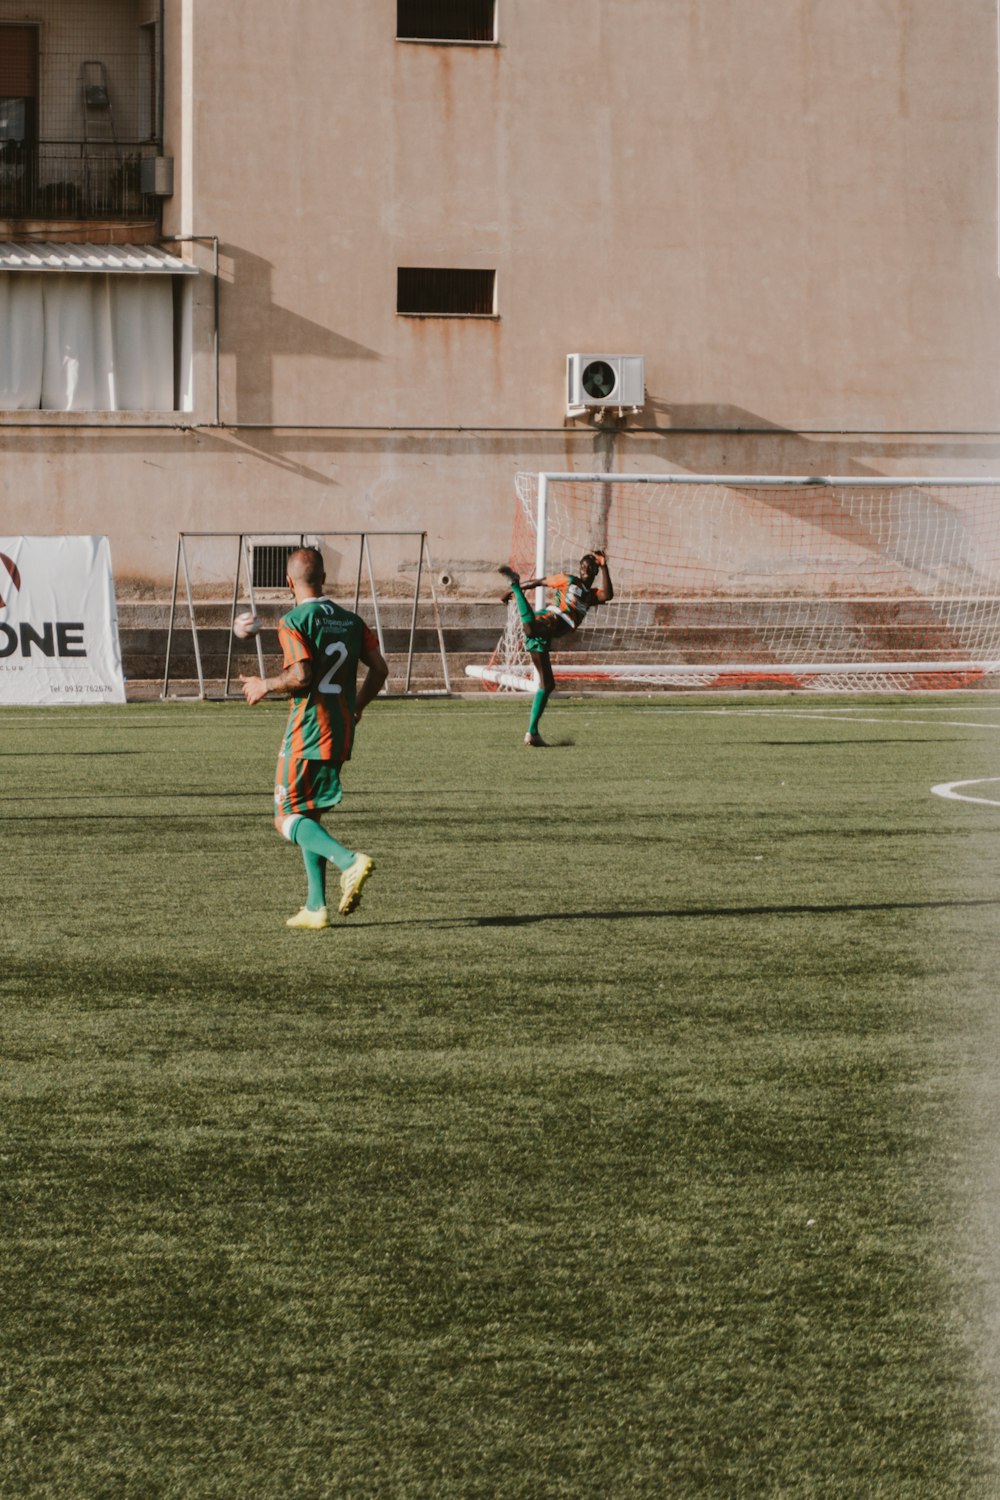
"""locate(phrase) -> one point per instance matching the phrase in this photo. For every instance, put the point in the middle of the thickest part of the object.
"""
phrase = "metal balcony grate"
(73, 180)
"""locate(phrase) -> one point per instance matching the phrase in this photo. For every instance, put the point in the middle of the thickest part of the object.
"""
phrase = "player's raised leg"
(524, 609)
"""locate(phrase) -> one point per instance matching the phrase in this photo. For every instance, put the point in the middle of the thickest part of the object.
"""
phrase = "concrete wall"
(789, 208)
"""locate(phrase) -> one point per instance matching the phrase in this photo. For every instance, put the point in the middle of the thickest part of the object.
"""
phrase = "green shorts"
(304, 786)
(546, 628)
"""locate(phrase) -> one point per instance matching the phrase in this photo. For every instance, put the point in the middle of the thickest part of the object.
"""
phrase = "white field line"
(41, 716)
(836, 718)
(949, 789)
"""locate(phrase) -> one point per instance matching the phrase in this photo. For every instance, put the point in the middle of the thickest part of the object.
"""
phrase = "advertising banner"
(58, 621)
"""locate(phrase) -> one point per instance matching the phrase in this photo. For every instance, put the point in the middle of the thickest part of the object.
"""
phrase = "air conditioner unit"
(601, 380)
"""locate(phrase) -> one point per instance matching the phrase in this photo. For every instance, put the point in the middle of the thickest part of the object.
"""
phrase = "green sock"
(538, 708)
(308, 834)
(524, 609)
(316, 879)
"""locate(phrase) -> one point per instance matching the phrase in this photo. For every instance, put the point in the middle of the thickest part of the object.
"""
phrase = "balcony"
(80, 107)
(69, 181)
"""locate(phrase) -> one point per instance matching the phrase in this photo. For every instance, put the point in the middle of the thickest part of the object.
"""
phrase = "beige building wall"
(788, 208)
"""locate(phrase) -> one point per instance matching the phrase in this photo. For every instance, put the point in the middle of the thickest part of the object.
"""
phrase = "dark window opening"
(270, 565)
(18, 116)
(446, 20)
(445, 293)
(19, 62)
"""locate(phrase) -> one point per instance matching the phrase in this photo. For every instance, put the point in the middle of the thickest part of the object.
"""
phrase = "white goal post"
(730, 581)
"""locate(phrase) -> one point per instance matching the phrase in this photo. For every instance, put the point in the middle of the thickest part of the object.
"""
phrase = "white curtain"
(86, 342)
(22, 339)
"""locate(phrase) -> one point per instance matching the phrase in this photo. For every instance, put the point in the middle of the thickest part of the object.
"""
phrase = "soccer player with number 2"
(322, 646)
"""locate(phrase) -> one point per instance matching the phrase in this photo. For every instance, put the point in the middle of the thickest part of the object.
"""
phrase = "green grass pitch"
(636, 1137)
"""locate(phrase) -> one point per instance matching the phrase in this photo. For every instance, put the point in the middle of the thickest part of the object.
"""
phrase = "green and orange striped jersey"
(321, 720)
(573, 598)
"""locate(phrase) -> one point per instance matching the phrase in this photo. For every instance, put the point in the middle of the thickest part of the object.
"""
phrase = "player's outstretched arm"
(294, 679)
(375, 680)
(605, 591)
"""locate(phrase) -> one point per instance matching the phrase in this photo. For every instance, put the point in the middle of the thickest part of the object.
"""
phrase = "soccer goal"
(721, 581)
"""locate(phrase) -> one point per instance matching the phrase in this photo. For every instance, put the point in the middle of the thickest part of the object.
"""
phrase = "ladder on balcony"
(100, 135)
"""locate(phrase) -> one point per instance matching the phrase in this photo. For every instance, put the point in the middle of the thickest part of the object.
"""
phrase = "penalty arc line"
(949, 789)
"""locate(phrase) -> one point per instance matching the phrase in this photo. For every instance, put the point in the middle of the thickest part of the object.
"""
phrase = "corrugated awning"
(119, 260)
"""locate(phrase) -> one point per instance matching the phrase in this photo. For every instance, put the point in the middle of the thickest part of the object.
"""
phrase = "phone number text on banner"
(58, 621)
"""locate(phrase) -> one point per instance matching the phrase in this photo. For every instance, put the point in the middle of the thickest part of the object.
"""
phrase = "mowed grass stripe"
(628, 1141)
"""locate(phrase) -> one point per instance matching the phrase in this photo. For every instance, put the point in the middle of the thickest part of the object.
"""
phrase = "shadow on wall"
(717, 419)
(800, 453)
(707, 417)
(255, 328)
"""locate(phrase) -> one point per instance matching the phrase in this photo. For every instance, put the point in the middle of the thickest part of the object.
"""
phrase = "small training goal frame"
(357, 550)
(818, 583)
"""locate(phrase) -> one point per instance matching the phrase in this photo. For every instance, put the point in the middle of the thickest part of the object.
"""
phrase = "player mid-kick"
(575, 595)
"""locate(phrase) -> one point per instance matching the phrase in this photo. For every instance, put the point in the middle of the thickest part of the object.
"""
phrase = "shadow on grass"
(869, 743)
(66, 754)
(682, 912)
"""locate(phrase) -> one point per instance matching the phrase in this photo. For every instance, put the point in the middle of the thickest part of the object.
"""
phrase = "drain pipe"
(160, 51)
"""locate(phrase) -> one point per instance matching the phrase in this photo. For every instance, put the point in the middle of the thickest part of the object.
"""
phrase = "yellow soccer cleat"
(313, 921)
(351, 882)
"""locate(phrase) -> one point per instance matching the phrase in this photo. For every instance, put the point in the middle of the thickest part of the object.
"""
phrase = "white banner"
(58, 621)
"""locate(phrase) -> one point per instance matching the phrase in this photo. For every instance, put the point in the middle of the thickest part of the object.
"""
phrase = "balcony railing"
(74, 180)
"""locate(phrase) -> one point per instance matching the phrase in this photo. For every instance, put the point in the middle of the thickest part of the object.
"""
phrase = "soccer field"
(636, 1137)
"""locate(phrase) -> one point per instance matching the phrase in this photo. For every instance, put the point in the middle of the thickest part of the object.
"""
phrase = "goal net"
(729, 582)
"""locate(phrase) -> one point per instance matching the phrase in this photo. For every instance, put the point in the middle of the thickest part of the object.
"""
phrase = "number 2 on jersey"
(339, 652)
